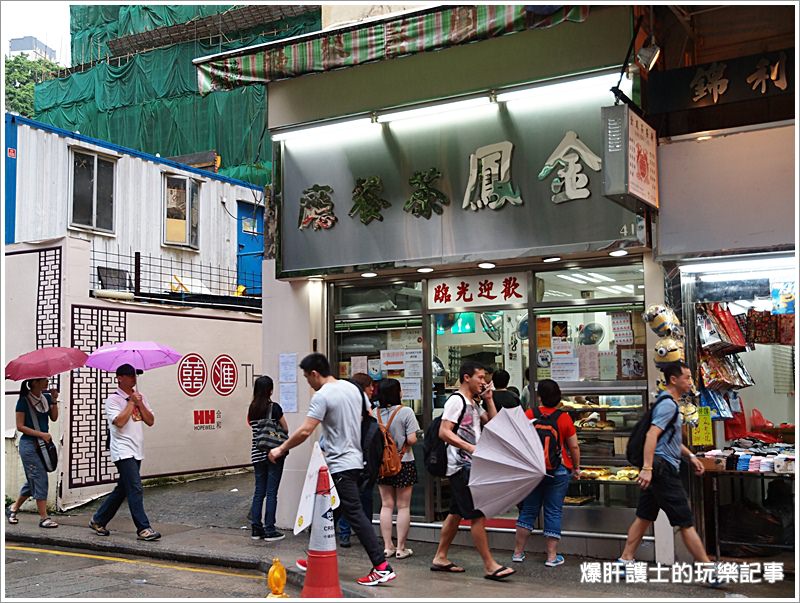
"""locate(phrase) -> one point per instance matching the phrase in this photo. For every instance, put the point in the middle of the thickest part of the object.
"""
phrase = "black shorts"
(407, 476)
(665, 492)
(461, 496)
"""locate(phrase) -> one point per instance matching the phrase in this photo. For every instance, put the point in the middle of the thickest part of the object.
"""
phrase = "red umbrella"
(44, 362)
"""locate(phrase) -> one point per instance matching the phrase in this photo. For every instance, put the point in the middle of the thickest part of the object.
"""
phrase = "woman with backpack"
(268, 475)
(562, 460)
(395, 490)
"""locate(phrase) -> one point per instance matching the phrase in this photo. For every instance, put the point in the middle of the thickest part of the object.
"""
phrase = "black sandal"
(47, 523)
(12, 515)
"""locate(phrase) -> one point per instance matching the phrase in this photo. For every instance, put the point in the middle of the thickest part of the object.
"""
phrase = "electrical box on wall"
(630, 166)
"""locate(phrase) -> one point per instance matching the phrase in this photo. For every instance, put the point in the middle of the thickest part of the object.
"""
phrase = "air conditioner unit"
(630, 164)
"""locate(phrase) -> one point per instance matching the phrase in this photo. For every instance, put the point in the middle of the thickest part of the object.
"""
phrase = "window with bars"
(783, 369)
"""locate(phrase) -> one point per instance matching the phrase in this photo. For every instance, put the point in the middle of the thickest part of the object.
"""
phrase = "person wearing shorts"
(461, 429)
(659, 478)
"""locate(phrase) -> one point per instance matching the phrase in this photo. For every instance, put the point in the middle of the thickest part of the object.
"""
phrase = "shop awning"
(413, 32)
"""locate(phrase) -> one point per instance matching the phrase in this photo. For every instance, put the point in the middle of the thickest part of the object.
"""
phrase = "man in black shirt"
(502, 396)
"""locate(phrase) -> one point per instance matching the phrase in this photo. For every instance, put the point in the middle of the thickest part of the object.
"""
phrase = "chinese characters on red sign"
(192, 374)
(478, 291)
(224, 375)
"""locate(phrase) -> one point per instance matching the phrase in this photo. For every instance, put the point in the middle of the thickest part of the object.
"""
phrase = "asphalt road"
(33, 572)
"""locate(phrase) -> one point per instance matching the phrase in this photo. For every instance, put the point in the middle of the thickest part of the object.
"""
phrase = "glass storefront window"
(586, 344)
(591, 283)
(379, 299)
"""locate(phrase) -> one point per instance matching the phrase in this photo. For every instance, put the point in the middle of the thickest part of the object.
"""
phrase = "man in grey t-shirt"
(338, 406)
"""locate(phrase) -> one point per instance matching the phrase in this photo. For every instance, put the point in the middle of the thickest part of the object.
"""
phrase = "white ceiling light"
(486, 265)
(315, 277)
(425, 270)
(550, 92)
(618, 253)
(607, 289)
(776, 263)
(590, 279)
(369, 274)
(469, 103)
(553, 259)
(339, 128)
(574, 279)
(602, 277)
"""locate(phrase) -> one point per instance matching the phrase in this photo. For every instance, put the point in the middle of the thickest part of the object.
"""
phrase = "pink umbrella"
(144, 355)
(44, 362)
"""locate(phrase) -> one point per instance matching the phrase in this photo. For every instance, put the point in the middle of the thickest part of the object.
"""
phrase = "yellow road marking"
(123, 560)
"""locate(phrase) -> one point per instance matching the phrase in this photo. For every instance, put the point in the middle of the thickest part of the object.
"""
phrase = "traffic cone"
(322, 576)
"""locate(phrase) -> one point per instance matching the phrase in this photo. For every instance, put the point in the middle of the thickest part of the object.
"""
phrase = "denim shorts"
(665, 492)
(35, 472)
(549, 494)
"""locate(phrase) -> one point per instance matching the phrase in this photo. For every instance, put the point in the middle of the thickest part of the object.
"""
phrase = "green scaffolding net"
(93, 26)
(150, 102)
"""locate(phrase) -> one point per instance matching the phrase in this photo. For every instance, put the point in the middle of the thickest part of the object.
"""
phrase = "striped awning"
(432, 29)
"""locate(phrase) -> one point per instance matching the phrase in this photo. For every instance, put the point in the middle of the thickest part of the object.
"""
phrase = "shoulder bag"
(268, 433)
(47, 449)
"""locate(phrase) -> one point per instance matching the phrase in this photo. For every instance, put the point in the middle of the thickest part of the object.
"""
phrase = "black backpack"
(546, 427)
(634, 450)
(434, 449)
(371, 445)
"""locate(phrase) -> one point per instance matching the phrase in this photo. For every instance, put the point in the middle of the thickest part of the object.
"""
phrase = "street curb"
(293, 576)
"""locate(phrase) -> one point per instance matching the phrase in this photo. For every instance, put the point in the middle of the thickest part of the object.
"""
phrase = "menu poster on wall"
(543, 332)
(405, 338)
(589, 358)
(411, 388)
(358, 364)
(560, 328)
(565, 369)
(608, 365)
(374, 369)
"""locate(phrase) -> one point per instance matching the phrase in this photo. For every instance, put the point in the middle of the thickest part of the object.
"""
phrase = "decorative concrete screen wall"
(200, 405)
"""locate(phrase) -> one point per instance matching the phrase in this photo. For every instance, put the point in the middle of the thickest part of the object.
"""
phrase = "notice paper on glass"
(288, 368)
(412, 389)
(608, 366)
(412, 355)
(589, 358)
(562, 348)
(413, 370)
(288, 399)
(374, 368)
(393, 360)
(565, 369)
(358, 364)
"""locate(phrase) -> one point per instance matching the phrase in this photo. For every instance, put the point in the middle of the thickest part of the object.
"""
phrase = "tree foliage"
(21, 75)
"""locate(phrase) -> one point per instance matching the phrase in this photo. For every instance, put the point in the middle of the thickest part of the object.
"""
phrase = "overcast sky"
(48, 21)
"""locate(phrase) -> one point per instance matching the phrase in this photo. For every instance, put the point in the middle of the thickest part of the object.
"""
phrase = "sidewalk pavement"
(205, 522)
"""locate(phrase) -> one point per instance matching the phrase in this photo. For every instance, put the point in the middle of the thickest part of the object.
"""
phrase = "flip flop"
(495, 575)
(450, 567)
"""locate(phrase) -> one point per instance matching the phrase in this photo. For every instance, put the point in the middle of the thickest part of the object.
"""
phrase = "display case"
(593, 345)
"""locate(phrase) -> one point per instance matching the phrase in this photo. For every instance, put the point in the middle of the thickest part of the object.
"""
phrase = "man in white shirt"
(461, 429)
(338, 405)
(126, 410)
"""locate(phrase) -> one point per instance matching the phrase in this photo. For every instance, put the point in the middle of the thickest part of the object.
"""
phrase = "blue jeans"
(550, 492)
(35, 472)
(268, 479)
(366, 503)
(129, 485)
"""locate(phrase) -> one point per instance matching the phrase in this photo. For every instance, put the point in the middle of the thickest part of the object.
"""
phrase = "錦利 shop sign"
(478, 291)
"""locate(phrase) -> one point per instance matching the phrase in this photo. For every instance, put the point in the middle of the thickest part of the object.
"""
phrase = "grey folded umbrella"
(508, 462)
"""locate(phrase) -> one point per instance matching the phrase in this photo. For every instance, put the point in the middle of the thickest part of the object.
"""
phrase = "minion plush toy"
(667, 351)
(663, 321)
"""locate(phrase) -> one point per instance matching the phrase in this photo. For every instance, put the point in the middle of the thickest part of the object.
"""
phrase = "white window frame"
(165, 176)
(92, 227)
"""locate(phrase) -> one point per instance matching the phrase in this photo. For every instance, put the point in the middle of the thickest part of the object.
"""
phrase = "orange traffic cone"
(322, 575)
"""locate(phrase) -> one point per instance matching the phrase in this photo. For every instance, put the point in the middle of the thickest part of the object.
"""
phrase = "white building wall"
(176, 444)
(44, 175)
